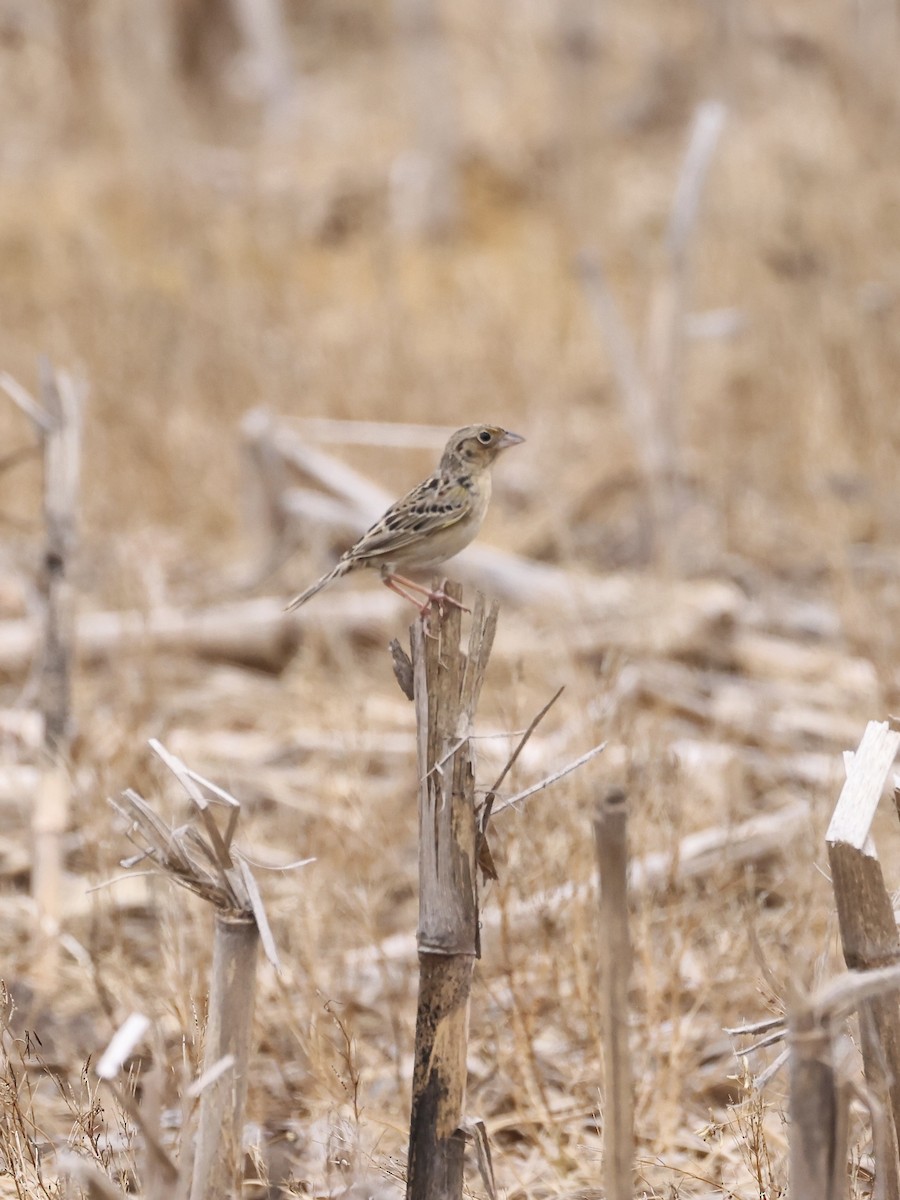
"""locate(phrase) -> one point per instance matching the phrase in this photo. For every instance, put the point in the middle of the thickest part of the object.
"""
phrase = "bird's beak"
(509, 439)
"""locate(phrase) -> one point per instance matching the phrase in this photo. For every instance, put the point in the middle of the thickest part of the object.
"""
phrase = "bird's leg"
(424, 609)
(400, 584)
(391, 581)
(439, 597)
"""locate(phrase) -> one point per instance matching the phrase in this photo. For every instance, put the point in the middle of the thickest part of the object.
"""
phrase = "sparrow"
(432, 523)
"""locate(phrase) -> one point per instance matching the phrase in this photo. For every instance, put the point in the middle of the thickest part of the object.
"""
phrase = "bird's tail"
(336, 572)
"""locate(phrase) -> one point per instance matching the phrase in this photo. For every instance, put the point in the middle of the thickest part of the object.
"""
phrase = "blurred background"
(662, 242)
(374, 210)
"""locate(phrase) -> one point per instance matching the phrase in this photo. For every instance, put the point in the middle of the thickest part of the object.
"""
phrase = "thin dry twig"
(510, 762)
(707, 127)
(545, 783)
(843, 995)
(754, 1027)
(216, 1071)
(26, 403)
(763, 1079)
(483, 849)
(771, 1039)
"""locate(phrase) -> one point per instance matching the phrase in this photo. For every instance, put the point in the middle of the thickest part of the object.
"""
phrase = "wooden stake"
(819, 1107)
(62, 452)
(818, 1160)
(61, 441)
(610, 837)
(868, 927)
(218, 1160)
(199, 856)
(447, 685)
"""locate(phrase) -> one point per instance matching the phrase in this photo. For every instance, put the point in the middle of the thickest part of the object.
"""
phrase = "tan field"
(194, 239)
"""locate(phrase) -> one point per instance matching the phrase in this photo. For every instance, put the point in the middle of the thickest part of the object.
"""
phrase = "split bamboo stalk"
(447, 685)
(611, 841)
(819, 1094)
(201, 857)
(818, 1151)
(868, 927)
(218, 1159)
(60, 433)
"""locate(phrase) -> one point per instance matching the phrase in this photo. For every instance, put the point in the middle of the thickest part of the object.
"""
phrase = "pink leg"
(424, 609)
(390, 581)
(394, 582)
(431, 597)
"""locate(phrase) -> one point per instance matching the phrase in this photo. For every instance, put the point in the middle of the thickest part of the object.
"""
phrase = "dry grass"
(190, 269)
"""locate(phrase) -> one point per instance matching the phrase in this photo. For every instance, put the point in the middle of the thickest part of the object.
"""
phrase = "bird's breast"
(446, 543)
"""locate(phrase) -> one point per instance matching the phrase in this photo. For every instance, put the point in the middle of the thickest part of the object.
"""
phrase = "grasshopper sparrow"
(431, 523)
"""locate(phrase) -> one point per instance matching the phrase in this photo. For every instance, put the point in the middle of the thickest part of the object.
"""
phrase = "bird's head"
(476, 446)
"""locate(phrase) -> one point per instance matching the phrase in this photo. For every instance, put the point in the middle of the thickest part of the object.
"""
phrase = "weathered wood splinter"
(447, 684)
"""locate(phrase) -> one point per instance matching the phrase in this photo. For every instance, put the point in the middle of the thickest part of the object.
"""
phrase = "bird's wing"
(434, 505)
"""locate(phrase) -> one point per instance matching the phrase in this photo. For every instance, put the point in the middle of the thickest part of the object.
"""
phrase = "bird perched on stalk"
(431, 523)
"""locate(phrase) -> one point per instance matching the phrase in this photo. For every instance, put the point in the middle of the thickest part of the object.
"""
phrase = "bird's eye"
(485, 437)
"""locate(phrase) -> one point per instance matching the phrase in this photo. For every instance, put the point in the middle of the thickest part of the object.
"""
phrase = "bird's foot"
(433, 599)
(437, 600)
